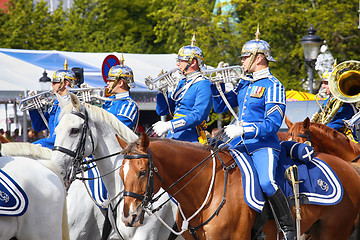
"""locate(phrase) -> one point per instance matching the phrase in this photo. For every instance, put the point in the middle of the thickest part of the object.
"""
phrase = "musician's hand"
(161, 127)
(32, 93)
(84, 85)
(233, 131)
(222, 64)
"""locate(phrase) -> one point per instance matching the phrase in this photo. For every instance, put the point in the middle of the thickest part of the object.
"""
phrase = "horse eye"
(74, 131)
(142, 173)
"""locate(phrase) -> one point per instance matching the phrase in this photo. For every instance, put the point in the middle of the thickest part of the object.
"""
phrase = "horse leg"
(8, 227)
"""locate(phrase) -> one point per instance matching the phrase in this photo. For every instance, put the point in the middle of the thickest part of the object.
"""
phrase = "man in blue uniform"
(261, 101)
(61, 79)
(120, 79)
(345, 112)
(191, 101)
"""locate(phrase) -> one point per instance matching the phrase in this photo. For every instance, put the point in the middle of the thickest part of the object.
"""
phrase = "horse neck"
(173, 162)
(107, 145)
(324, 141)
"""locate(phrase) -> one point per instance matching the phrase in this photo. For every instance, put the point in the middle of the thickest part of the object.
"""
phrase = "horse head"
(74, 137)
(137, 175)
(300, 131)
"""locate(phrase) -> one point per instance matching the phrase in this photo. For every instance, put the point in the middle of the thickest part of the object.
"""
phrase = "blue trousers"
(265, 161)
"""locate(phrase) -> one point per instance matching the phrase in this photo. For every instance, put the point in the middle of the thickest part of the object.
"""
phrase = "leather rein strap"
(147, 198)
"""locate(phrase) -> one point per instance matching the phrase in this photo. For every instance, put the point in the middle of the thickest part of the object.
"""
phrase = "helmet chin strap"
(117, 80)
(188, 65)
(252, 58)
(62, 81)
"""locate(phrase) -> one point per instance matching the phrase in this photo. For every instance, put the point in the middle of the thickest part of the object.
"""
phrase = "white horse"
(85, 129)
(85, 218)
(45, 216)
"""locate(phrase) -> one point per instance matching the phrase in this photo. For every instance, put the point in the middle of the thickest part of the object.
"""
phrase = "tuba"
(36, 101)
(344, 84)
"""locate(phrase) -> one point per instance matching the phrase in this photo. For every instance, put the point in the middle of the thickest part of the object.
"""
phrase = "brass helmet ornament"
(121, 71)
(252, 47)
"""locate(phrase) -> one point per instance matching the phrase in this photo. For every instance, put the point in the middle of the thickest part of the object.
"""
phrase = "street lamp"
(44, 82)
(311, 46)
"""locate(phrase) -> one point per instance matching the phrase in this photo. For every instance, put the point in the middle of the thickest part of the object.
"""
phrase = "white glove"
(32, 93)
(222, 64)
(161, 127)
(233, 131)
(84, 85)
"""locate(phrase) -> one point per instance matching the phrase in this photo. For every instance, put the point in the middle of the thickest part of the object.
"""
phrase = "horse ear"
(75, 101)
(288, 122)
(144, 143)
(122, 143)
(62, 102)
(306, 123)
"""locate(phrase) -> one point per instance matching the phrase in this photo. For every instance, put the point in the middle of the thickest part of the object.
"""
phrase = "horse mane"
(25, 149)
(335, 136)
(100, 115)
(132, 147)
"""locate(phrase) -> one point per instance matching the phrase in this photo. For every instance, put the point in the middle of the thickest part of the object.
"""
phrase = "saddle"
(318, 185)
(13, 199)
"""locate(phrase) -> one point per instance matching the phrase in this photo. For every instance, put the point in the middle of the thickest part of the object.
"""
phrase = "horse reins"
(148, 196)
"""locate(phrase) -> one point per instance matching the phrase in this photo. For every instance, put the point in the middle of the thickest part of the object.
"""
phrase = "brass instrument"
(90, 94)
(344, 84)
(229, 74)
(36, 101)
(164, 81)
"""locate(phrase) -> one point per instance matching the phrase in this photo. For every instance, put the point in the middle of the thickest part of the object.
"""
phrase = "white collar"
(265, 73)
(192, 76)
(122, 95)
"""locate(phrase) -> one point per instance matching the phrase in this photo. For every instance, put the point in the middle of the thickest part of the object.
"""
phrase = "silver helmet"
(189, 52)
(121, 71)
(62, 75)
(257, 46)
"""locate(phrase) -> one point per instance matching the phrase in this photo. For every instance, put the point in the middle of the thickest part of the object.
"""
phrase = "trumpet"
(89, 94)
(36, 101)
(229, 74)
(164, 81)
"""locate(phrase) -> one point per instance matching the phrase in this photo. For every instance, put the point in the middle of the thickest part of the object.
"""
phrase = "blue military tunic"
(261, 107)
(52, 117)
(124, 108)
(346, 111)
(191, 104)
(261, 103)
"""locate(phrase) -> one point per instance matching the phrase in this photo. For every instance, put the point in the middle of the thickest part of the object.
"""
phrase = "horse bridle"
(149, 192)
(78, 154)
(306, 136)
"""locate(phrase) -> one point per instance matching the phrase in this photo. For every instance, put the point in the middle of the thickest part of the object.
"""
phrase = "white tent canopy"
(22, 69)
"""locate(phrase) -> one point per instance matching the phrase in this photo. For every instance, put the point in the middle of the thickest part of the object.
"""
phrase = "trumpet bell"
(344, 81)
(36, 101)
(164, 81)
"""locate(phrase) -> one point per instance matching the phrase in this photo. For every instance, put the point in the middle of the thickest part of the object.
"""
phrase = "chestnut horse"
(3, 139)
(325, 139)
(196, 179)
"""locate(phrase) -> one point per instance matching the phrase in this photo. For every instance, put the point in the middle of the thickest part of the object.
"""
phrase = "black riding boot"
(282, 215)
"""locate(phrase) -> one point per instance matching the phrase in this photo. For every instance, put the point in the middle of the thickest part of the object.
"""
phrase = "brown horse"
(169, 164)
(325, 139)
(3, 139)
